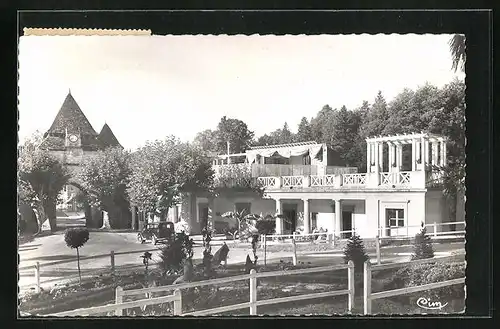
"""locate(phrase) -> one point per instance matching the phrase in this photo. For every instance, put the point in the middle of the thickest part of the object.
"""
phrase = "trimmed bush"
(75, 238)
(355, 251)
(422, 248)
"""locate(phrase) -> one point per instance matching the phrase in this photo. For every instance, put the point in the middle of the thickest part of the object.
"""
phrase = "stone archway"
(93, 215)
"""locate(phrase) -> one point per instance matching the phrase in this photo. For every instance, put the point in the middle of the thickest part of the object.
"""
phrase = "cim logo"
(427, 304)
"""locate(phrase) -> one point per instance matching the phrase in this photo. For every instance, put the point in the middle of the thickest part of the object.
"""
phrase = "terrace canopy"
(284, 150)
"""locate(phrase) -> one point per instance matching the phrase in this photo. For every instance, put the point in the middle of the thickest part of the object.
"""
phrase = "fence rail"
(369, 296)
(252, 304)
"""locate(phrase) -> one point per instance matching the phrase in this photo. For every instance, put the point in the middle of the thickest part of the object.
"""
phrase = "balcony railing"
(282, 170)
(402, 180)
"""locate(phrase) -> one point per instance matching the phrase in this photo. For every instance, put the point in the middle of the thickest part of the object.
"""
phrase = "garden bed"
(101, 291)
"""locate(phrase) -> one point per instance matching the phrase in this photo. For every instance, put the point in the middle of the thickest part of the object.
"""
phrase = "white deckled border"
(83, 32)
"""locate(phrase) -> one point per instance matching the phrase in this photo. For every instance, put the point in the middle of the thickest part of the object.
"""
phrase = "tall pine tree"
(304, 133)
(355, 251)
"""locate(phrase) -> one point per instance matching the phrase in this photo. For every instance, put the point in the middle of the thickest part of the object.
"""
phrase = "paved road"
(52, 248)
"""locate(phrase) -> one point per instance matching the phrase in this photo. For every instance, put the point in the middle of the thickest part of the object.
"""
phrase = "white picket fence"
(369, 296)
(252, 304)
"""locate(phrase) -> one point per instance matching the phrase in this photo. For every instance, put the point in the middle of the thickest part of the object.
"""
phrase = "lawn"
(101, 291)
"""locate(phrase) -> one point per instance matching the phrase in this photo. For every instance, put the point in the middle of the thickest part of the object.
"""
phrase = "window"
(246, 207)
(395, 217)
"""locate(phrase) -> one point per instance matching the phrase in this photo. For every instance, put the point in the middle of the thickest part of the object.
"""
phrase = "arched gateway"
(71, 139)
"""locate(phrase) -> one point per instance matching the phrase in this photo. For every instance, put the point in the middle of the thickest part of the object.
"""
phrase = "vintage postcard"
(211, 175)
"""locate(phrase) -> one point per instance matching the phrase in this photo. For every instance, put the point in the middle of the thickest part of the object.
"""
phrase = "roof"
(107, 137)
(406, 138)
(284, 145)
(71, 117)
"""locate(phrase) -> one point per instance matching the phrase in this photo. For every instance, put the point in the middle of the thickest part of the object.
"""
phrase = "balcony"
(281, 170)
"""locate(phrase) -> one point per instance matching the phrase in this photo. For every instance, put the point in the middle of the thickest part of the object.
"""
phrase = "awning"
(285, 152)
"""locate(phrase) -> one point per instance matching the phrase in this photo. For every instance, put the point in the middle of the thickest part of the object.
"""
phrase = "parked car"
(157, 232)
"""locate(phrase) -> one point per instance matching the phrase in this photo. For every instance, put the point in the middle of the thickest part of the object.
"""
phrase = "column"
(307, 225)
(426, 154)
(413, 155)
(133, 210)
(391, 156)
(368, 157)
(211, 213)
(376, 154)
(443, 153)
(381, 156)
(175, 209)
(399, 158)
(279, 220)
(338, 216)
(434, 153)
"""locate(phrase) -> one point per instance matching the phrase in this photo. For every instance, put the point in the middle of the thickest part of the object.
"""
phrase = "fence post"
(112, 254)
(367, 287)
(377, 245)
(330, 239)
(119, 300)
(294, 256)
(253, 292)
(435, 229)
(350, 284)
(37, 277)
(178, 302)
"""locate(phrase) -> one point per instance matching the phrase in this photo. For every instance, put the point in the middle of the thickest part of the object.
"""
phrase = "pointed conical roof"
(71, 117)
(107, 137)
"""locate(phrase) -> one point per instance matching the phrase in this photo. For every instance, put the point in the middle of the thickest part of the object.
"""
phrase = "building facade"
(312, 190)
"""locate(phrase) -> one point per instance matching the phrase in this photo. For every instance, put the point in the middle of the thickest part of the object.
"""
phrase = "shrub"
(266, 226)
(175, 253)
(75, 238)
(355, 251)
(422, 248)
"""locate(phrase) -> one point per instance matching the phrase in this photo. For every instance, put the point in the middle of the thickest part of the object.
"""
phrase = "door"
(346, 224)
(395, 222)
(290, 222)
(203, 215)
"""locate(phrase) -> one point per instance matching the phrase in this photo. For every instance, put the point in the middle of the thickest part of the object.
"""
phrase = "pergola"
(427, 150)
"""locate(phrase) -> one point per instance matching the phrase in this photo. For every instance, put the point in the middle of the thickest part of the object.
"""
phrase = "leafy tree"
(245, 223)
(163, 170)
(458, 53)
(105, 176)
(422, 247)
(355, 251)
(265, 140)
(46, 176)
(75, 238)
(235, 132)
(206, 140)
(304, 132)
(233, 178)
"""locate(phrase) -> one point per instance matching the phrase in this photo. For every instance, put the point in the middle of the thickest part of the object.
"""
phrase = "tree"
(206, 140)
(105, 176)
(376, 119)
(163, 170)
(176, 254)
(266, 226)
(75, 238)
(458, 53)
(286, 135)
(235, 132)
(345, 125)
(304, 132)
(320, 129)
(355, 251)
(245, 223)
(46, 176)
(422, 247)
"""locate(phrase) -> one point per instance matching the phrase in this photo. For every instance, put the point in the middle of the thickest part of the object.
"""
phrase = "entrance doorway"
(346, 224)
(203, 215)
(290, 222)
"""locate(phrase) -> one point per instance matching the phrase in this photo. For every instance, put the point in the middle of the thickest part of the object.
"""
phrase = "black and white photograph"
(241, 175)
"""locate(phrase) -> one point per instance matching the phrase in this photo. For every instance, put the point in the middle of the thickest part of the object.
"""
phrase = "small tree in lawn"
(422, 247)
(75, 238)
(355, 251)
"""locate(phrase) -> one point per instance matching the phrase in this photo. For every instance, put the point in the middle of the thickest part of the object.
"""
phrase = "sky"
(148, 87)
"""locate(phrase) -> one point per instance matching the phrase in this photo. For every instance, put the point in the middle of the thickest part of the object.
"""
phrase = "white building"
(308, 185)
